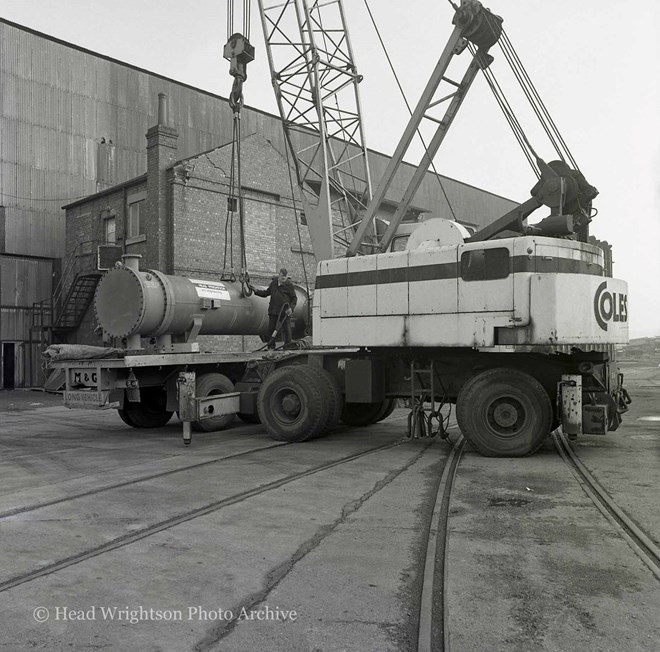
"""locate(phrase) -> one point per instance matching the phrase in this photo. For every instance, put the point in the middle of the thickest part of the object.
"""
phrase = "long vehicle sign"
(87, 399)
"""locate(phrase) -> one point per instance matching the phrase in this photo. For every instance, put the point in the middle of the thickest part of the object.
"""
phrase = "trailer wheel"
(364, 414)
(123, 415)
(334, 397)
(292, 403)
(210, 385)
(246, 417)
(388, 407)
(504, 413)
(150, 412)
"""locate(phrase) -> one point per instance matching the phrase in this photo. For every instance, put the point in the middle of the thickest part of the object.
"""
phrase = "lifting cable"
(405, 99)
(246, 19)
(239, 52)
(509, 114)
(535, 101)
(295, 218)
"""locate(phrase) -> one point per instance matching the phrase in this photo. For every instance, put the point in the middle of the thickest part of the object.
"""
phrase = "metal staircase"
(54, 318)
(61, 313)
(77, 301)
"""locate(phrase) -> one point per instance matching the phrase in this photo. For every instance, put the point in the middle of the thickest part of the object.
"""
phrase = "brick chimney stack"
(161, 154)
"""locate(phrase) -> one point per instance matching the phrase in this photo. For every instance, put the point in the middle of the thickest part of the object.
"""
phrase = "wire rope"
(295, 217)
(405, 99)
(510, 115)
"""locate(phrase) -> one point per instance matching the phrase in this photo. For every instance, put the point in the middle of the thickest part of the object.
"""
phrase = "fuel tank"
(129, 301)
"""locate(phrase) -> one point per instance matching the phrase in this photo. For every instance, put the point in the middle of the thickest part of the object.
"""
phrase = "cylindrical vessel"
(130, 302)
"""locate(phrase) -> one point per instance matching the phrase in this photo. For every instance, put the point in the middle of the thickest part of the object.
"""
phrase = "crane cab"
(520, 292)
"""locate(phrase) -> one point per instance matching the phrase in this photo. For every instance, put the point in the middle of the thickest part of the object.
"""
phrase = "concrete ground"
(23, 400)
(147, 545)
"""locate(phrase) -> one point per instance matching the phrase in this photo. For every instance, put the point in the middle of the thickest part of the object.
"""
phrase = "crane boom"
(316, 87)
(473, 23)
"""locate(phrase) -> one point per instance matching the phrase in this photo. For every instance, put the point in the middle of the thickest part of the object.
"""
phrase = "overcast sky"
(594, 62)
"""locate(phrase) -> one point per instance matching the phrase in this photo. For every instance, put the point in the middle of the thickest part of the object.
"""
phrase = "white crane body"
(518, 292)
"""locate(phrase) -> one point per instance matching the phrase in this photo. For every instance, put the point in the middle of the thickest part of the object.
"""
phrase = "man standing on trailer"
(282, 303)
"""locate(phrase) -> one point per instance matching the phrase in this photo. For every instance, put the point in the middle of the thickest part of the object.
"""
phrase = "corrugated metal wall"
(22, 282)
(58, 102)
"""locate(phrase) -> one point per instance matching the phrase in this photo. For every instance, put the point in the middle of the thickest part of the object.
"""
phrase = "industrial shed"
(72, 124)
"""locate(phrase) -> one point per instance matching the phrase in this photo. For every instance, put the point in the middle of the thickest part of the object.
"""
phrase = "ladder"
(420, 422)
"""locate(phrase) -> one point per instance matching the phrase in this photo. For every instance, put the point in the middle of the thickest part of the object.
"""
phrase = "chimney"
(161, 154)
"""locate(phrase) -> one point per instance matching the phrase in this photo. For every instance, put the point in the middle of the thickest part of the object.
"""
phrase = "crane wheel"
(293, 403)
(504, 413)
(365, 414)
(150, 412)
(212, 384)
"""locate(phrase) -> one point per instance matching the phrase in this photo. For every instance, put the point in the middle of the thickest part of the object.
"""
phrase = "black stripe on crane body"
(443, 271)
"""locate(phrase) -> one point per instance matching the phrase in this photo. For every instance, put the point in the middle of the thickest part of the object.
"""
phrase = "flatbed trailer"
(507, 400)
(206, 389)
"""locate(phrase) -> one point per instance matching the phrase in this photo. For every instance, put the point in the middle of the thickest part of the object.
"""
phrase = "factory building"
(72, 127)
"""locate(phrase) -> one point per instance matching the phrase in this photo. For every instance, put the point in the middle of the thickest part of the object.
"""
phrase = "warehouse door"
(8, 365)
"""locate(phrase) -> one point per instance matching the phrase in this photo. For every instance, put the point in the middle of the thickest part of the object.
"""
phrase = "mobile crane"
(485, 321)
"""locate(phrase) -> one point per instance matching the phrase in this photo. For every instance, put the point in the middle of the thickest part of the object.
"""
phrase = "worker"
(282, 303)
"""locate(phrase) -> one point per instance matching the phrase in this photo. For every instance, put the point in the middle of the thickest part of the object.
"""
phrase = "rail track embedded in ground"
(637, 539)
(184, 517)
(133, 481)
(433, 633)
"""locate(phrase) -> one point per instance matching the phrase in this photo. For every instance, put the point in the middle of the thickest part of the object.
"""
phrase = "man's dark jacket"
(279, 295)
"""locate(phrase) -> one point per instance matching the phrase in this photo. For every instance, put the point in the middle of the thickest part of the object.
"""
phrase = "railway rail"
(642, 545)
(433, 632)
(178, 519)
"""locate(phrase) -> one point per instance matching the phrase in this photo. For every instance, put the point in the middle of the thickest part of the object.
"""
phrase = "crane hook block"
(239, 52)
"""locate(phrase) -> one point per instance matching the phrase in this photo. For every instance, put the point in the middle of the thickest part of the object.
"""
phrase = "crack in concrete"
(361, 621)
(280, 572)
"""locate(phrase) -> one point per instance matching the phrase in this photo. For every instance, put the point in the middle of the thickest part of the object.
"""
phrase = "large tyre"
(210, 385)
(150, 412)
(504, 413)
(246, 417)
(123, 415)
(364, 414)
(387, 408)
(334, 397)
(292, 403)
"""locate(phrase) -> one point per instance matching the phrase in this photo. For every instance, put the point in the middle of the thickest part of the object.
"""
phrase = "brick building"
(176, 217)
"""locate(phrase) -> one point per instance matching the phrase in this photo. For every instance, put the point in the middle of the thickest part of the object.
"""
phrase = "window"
(110, 233)
(399, 243)
(485, 264)
(134, 211)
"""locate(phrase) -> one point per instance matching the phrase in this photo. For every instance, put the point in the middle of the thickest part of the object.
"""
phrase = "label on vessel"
(211, 289)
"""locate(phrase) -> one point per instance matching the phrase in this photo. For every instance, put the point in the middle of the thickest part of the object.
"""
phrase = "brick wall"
(201, 186)
(161, 155)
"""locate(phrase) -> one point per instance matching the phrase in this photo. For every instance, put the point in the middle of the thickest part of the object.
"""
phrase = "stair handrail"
(68, 271)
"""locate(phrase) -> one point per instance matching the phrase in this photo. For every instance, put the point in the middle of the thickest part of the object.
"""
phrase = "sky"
(594, 63)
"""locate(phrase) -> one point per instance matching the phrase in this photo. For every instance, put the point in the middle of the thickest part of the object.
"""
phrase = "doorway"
(8, 365)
